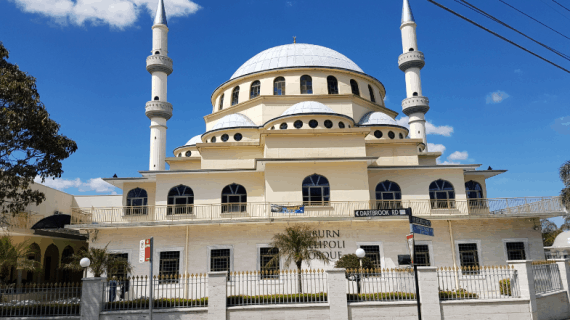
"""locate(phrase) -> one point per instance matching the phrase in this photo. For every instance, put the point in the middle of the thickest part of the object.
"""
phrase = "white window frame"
(458, 258)
(215, 247)
(430, 250)
(381, 247)
(523, 240)
(181, 262)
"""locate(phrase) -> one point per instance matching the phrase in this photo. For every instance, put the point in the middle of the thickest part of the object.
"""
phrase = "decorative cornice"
(414, 105)
(159, 63)
(158, 109)
(412, 59)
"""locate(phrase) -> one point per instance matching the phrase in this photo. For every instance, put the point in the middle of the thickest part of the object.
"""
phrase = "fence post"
(525, 276)
(429, 293)
(336, 282)
(217, 300)
(92, 298)
(564, 274)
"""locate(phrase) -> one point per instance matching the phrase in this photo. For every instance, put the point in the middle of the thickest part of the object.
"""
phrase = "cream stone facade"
(300, 134)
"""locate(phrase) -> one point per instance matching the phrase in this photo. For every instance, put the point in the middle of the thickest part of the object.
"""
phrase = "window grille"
(442, 195)
(234, 198)
(388, 195)
(468, 256)
(316, 191)
(306, 85)
(220, 260)
(235, 96)
(255, 89)
(421, 252)
(354, 87)
(169, 264)
(516, 251)
(332, 85)
(372, 98)
(279, 86)
(265, 256)
(119, 272)
(180, 200)
(137, 201)
(373, 253)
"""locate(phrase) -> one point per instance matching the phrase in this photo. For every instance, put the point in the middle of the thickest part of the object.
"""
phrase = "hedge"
(458, 294)
(158, 303)
(505, 287)
(42, 309)
(277, 298)
(380, 296)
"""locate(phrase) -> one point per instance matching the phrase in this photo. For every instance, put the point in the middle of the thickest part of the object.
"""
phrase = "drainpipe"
(453, 255)
(186, 265)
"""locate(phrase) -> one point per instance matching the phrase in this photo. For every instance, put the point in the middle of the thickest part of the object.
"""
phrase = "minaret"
(158, 110)
(411, 61)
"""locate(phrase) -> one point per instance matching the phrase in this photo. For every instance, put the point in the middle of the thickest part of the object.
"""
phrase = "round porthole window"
(401, 136)
(225, 137)
(213, 139)
(298, 124)
(341, 125)
(378, 134)
(188, 153)
(391, 135)
(328, 124)
(237, 137)
(313, 123)
(283, 126)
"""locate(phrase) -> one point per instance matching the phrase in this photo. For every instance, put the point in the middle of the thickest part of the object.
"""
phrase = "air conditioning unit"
(57, 212)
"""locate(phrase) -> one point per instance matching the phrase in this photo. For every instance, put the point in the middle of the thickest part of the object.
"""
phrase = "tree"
(565, 192)
(15, 256)
(30, 144)
(297, 244)
(351, 261)
(549, 232)
(102, 262)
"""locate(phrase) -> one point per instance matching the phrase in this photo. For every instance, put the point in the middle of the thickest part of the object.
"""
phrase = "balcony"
(330, 210)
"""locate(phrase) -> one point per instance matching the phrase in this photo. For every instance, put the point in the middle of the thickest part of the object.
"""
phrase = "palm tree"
(297, 244)
(565, 177)
(15, 256)
(101, 262)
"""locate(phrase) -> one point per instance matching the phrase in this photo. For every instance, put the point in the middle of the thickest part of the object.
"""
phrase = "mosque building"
(300, 134)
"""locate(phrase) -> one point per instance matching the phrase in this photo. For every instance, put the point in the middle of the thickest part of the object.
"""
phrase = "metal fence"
(40, 300)
(497, 282)
(276, 287)
(380, 285)
(546, 276)
(180, 291)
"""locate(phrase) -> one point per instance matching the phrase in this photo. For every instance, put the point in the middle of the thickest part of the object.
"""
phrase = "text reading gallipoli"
(329, 244)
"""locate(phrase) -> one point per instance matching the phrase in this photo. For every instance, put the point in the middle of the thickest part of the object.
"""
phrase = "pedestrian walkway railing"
(380, 284)
(488, 282)
(40, 300)
(546, 276)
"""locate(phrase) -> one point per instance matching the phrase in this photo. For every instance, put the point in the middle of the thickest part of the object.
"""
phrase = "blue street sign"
(414, 228)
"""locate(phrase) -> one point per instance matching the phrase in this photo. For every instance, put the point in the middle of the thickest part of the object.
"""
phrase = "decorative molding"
(159, 63)
(412, 59)
(413, 105)
(160, 109)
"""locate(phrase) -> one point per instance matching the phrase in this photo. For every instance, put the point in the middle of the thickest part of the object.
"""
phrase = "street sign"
(411, 246)
(144, 251)
(381, 213)
(420, 221)
(414, 228)
(141, 251)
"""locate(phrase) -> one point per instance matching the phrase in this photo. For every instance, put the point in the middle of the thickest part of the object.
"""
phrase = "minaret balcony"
(412, 59)
(158, 109)
(159, 62)
(414, 105)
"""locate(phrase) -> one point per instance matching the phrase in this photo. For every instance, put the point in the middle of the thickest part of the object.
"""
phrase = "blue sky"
(491, 103)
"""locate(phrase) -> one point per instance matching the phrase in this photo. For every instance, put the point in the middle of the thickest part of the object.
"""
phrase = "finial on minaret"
(160, 17)
(294, 39)
(407, 15)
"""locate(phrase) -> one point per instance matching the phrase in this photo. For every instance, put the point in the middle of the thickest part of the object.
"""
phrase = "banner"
(287, 209)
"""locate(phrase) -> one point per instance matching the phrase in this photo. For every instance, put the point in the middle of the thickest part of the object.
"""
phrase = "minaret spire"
(158, 110)
(411, 62)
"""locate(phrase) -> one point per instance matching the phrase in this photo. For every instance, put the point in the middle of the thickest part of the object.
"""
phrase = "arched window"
(388, 195)
(316, 190)
(137, 200)
(235, 96)
(255, 88)
(354, 87)
(279, 86)
(234, 198)
(372, 98)
(34, 254)
(221, 105)
(474, 191)
(442, 194)
(66, 256)
(306, 85)
(332, 85)
(51, 263)
(181, 198)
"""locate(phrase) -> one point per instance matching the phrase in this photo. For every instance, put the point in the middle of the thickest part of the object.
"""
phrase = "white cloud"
(430, 127)
(497, 97)
(448, 162)
(458, 155)
(96, 184)
(116, 13)
(289, 3)
(432, 147)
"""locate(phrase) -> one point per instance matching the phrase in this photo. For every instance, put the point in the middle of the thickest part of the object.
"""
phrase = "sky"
(490, 102)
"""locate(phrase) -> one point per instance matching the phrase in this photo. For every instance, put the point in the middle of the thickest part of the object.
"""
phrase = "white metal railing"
(546, 276)
(380, 285)
(492, 282)
(329, 209)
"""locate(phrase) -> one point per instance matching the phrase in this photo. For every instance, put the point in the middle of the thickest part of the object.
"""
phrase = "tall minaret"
(411, 61)
(158, 110)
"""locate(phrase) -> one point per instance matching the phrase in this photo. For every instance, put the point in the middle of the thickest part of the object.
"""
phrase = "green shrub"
(458, 294)
(44, 309)
(158, 303)
(380, 296)
(505, 287)
(277, 298)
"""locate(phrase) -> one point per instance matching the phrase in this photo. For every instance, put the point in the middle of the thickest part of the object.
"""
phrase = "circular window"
(378, 134)
(401, 136)
(225, 137)
(237, 137)
(283, 126)
(313, 123)
(213, 139)
(391, 135)
(188, 153)
(341, 125)
(328, 124)
(298, 124)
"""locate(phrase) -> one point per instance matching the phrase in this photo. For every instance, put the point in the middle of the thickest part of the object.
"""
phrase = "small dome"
(562, 240)
(376, 118)
(194, 140)
(232, 121)
(307, 107)
(295, 55)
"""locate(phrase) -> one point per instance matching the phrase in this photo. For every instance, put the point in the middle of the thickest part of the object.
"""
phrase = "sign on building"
(381, 213)
(287, 209)
(144, 251)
